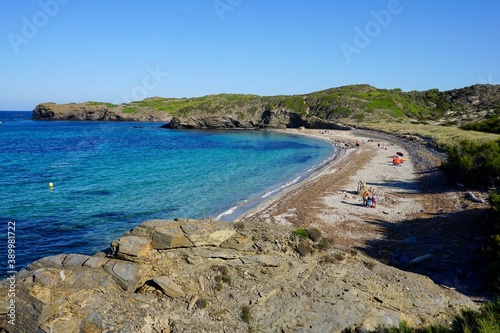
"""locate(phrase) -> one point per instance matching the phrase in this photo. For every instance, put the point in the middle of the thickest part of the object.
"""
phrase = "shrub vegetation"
(491, 125)
(485, 320)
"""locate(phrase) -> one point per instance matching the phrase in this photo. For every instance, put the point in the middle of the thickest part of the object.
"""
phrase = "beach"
(328, 199)
(200, 275)
(419, 212)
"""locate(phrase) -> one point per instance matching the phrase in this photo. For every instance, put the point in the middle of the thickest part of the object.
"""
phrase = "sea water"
(109, 177)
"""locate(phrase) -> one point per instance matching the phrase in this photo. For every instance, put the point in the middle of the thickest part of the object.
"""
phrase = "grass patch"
(222, 277)
(129, 110)
(201, 303)
(324, 244)
(246, 314)
(303, 249)
(109, 105)
(301, 233)
(331, 258)
(485, 320)
(441, 136)
(239, 225)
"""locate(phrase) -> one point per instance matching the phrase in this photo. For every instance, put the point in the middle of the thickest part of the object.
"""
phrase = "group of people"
(369, 195)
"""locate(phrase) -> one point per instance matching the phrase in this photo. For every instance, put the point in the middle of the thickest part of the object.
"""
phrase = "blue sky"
(115, 51)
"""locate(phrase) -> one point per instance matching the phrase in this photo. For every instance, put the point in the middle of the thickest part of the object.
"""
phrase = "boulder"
(169, 287)
(95, 262)
(170, 238)
(74, 259)
(239, 243)
(170, 234)
(128, 275)
(133, 248)
(164, 234)
(208, 233)
(48, 277)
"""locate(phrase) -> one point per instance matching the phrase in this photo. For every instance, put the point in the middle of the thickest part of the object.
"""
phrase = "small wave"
(227, 212)
(267, 194)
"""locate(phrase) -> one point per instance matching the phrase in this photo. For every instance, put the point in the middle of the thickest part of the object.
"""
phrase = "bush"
(474, 164)
(492, 248)
(301, 233)
(483, 321)
(201, 303)
(314, 233)
(222, 278)
(486, 320)
(331, 259)
(303, 249)
(491, 125)
(479, 164)
(246, 314)
(239, 225)
(324, 244)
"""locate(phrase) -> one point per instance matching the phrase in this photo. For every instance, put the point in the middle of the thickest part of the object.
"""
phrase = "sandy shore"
(328, 199)
(419, 212)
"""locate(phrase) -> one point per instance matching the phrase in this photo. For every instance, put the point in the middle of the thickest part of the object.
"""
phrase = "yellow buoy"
(51, 185)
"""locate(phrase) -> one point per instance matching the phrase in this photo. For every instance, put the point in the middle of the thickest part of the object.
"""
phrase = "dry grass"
(442, 136)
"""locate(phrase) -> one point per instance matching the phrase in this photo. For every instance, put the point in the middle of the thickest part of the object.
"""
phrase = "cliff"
(331, 108)
(212, 276)
(95, 111)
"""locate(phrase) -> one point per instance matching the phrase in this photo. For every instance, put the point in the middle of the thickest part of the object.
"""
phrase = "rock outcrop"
(95, 112)
(212, 276)
(324, 109)
(267, 119)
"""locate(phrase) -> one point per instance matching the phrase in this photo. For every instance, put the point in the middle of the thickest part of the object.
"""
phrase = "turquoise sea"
(110, 176)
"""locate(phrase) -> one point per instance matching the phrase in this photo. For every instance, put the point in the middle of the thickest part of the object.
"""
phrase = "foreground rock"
(211, 276)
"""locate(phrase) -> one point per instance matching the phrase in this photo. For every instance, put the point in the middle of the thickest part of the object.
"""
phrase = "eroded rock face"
(95, 112)
(198, 276)
(268, 119)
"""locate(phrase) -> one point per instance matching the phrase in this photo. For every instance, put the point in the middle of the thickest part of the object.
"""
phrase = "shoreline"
(343, 139)
(190, 258)
(271, 194)
(419, 213)
(339, 153)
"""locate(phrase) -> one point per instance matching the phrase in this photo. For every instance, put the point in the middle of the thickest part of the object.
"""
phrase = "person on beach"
(366, 196)
(374, 201)
(396, 160)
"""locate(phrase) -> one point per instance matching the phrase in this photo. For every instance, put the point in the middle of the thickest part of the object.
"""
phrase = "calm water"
(109, 176)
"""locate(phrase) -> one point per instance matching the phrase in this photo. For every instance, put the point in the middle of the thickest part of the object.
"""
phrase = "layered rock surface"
(212, 276)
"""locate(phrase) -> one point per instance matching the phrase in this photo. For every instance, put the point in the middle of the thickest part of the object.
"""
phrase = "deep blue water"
(110, 176)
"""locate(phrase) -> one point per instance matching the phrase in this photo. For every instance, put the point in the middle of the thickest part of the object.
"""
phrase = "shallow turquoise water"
(109, 176)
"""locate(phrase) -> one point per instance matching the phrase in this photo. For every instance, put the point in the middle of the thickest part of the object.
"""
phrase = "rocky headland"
(327, 109)
(92, 111)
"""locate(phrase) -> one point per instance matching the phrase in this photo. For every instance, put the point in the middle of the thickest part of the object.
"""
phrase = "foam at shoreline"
(247, 206)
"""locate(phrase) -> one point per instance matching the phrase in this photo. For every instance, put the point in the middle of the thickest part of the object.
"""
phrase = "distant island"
(327, 109)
